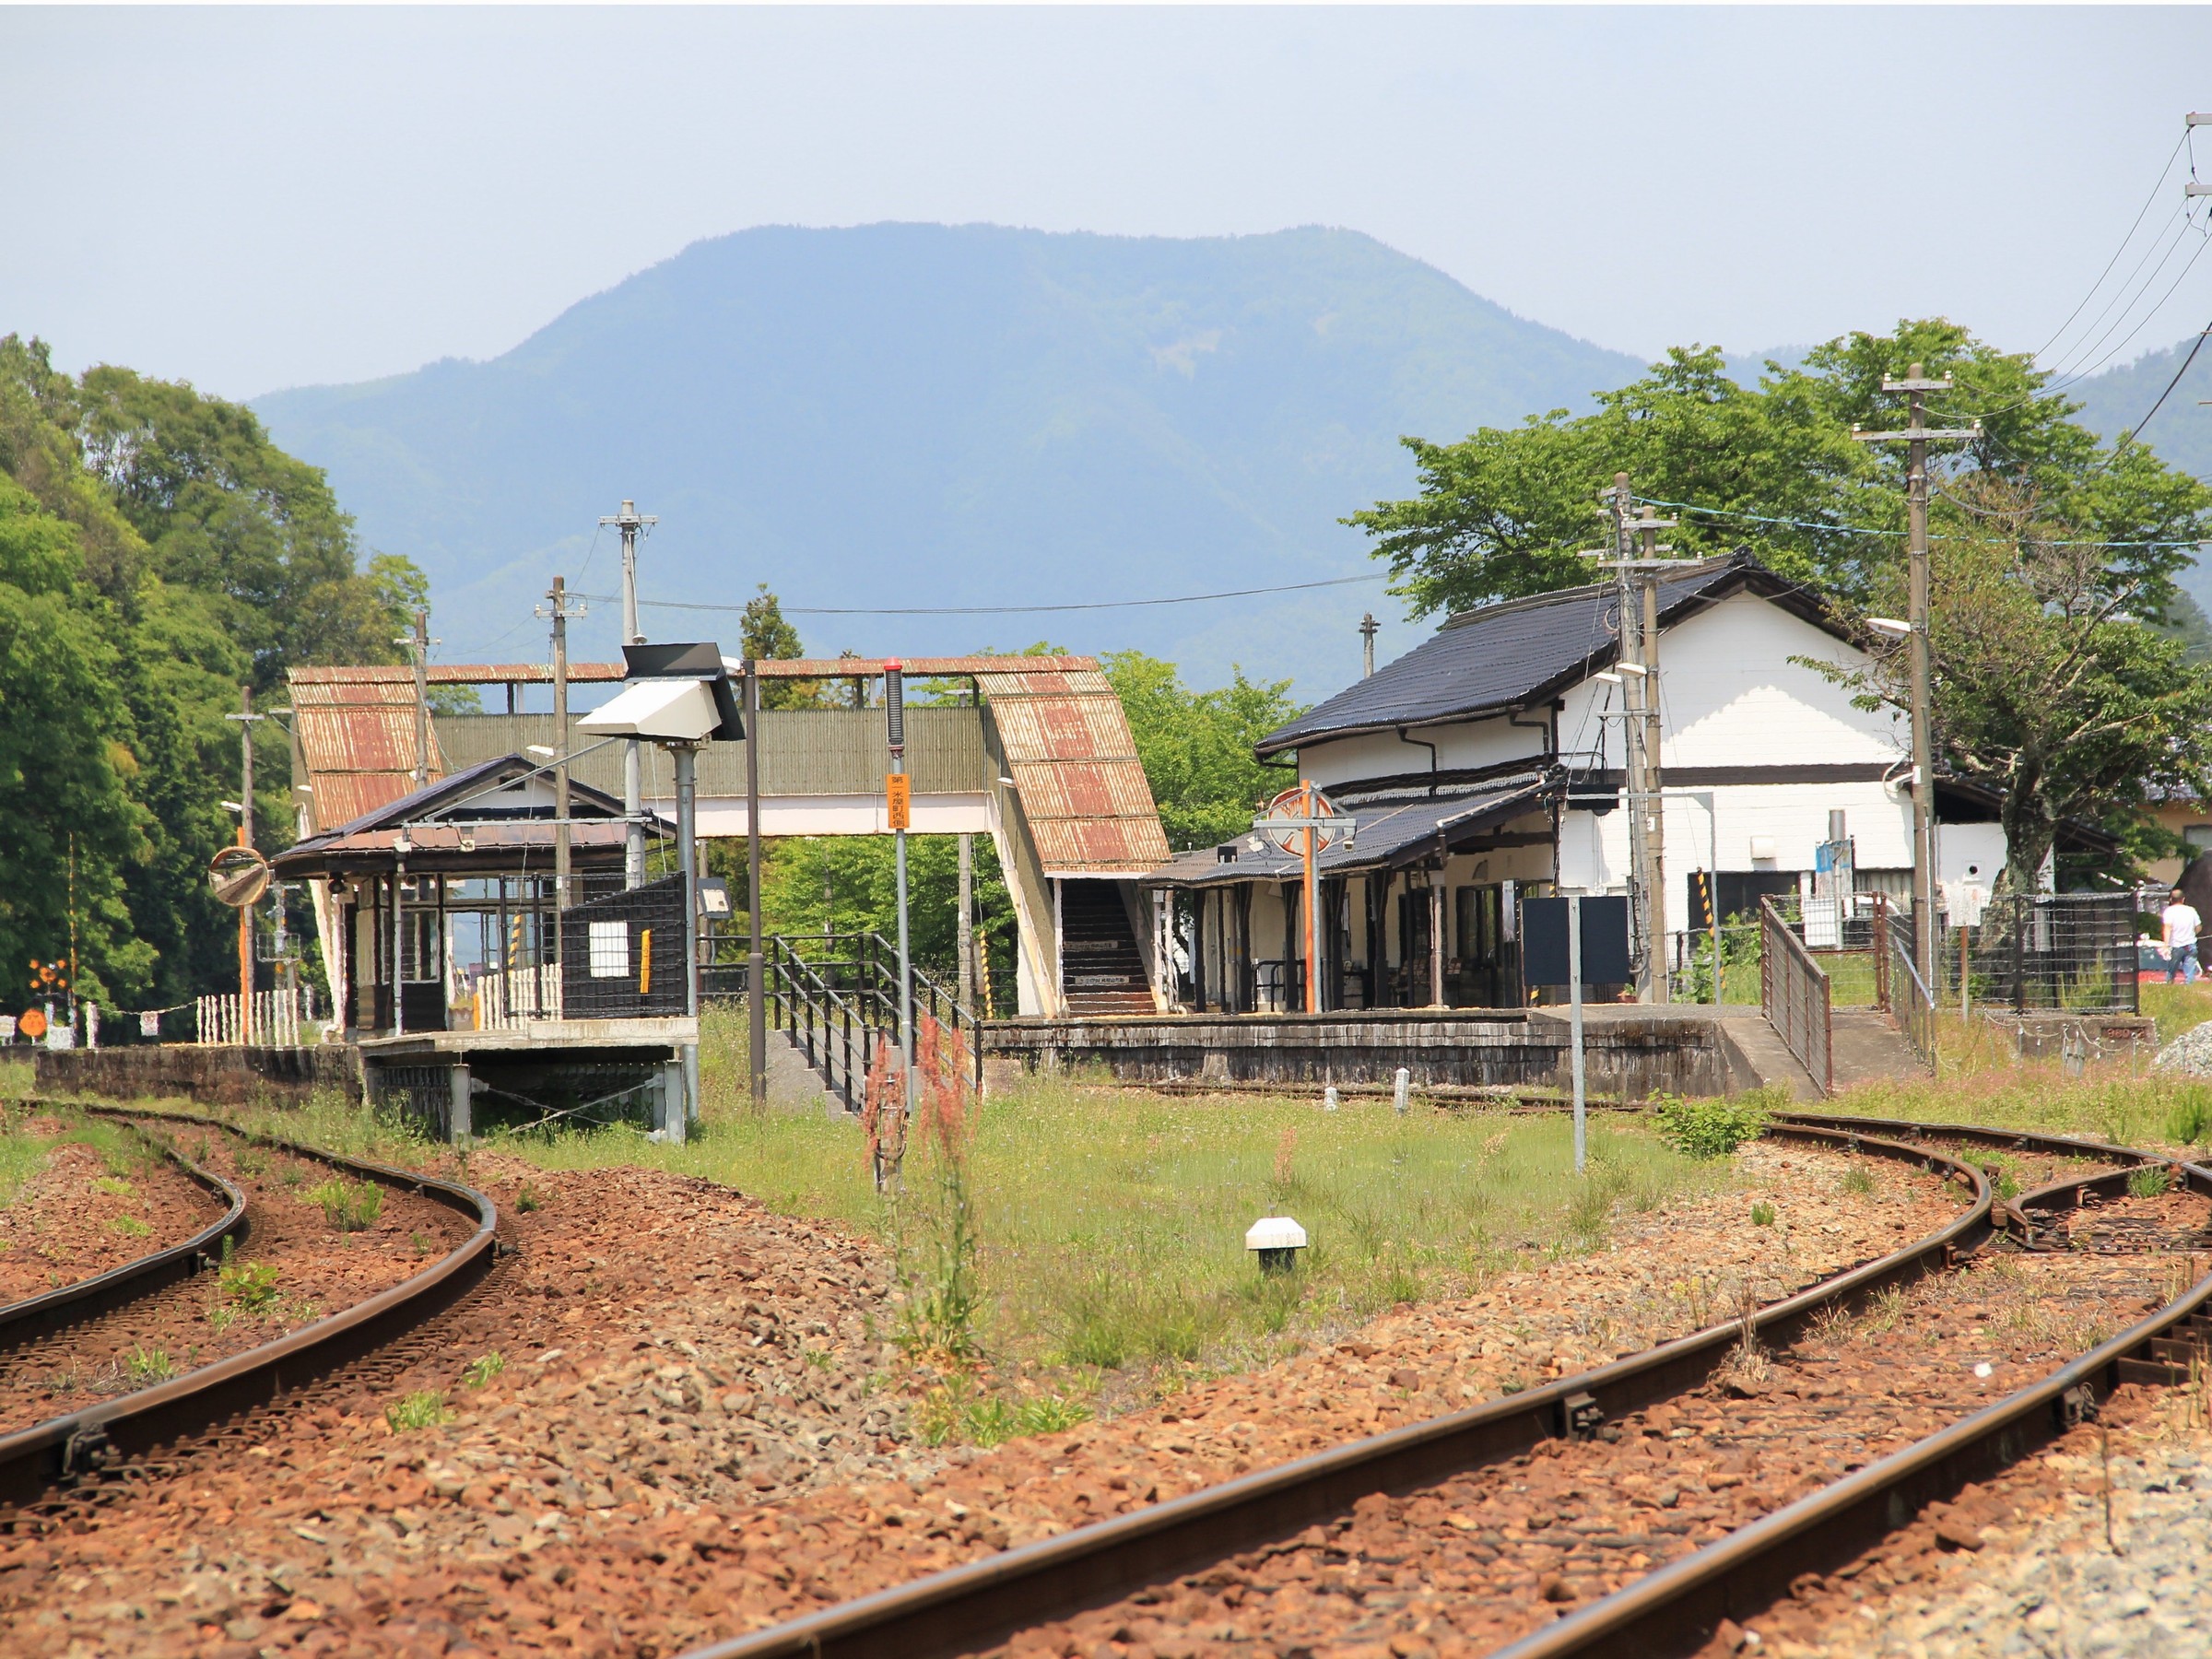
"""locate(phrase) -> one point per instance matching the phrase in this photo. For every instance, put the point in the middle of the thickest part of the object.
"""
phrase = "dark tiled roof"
(1508, 655)
(1388, 833)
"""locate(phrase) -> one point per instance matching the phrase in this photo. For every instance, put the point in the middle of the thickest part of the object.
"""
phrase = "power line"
(1007, 610)
(1756, 518)
(2137, 430)
(2124, 241)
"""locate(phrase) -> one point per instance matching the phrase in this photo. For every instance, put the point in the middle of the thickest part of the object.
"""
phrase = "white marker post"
(1574, 1017)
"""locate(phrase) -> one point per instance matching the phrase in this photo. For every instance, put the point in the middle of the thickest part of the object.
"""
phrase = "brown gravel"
(64, 1225)
(318, 1269)
(662, 1463)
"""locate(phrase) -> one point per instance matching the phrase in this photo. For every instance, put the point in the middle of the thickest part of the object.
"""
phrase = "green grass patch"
(425, 1409)
(146, 1366)
(349, 1205)
(2177, 1007)
(131, 1226)
(483, 1369)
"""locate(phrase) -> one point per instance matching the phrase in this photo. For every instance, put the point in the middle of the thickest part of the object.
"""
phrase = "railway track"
(1633, 1507)
(169, 1346)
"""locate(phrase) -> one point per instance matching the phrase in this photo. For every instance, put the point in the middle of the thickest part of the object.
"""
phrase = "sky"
(256, 198)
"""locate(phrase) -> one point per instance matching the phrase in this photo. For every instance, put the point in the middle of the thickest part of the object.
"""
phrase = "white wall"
(1458, 748)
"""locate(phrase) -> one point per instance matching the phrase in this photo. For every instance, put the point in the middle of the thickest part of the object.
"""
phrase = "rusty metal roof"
(354, 734)
(1068, 747)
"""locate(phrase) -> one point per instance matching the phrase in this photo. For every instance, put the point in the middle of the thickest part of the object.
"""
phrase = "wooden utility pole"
(630, 521)
(1369, 629)
(1917, 435)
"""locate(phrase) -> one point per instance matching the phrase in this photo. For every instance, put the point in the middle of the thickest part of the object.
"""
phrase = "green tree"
(1196, 746)
(766, 636)
(1504, 512)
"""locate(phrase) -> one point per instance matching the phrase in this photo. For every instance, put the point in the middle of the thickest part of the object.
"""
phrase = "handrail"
(805, 1002)
(1798, 998)
(1917, 1018)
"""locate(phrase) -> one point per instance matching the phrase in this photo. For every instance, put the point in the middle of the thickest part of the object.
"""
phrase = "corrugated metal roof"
(1504, 656)
(1068, 747)
(355, 729)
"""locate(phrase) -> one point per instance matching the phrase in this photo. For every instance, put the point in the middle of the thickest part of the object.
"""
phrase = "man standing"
(2179, 922)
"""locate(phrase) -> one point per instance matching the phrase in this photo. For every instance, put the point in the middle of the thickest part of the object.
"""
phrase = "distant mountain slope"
(2118, 399)
(923, 415)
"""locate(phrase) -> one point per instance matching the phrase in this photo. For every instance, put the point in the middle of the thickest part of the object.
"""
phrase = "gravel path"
(74, 1220)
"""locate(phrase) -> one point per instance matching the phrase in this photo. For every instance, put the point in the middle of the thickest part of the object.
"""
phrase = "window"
(611, 950)
(2199, 836)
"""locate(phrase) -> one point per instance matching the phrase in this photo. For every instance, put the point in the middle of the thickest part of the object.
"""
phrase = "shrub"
(250, 1286)
(1707, 1128)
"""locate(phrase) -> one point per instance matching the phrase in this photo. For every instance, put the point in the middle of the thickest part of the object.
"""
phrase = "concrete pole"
(421, 650)
(1369, 629)
(630, 521)
(756, 975)
(967, 937)
(1923, 745)
(245, 838)
(1574, 1022)
(894, 699)
(560, 596)
(1634, 691)
(1655, 803)
(687, 852)
(1436, 938)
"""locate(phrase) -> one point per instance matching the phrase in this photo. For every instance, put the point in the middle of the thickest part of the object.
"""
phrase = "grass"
(425, 1409)
(2177, 1007)
(148, 1366)
(483, 1369)
(349, 1205)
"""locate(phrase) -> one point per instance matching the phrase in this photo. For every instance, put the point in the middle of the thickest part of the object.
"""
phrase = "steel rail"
(966, 1608)
(33, 1460)
(87, 1299)
(1675, 1609)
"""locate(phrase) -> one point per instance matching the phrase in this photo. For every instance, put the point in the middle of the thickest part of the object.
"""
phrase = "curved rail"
(970, 1608)
(33, 1459)
(87, 1299)
(1675, 1609)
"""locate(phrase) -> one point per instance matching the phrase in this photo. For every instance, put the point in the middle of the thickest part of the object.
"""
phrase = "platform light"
(539, 748)
(1890, 625)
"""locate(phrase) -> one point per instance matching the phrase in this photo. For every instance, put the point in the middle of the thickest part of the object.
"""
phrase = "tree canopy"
(156, 553)
(2062, 645)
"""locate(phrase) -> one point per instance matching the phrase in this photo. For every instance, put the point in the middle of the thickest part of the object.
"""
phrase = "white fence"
(511, 997)
(277, 1018)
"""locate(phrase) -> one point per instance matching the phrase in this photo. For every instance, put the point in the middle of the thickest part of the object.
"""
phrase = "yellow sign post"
(898, 799)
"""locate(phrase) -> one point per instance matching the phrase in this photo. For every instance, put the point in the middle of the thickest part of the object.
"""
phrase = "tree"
(1196, 746)
(765, 635)
(1504, 512)
(2045, 686)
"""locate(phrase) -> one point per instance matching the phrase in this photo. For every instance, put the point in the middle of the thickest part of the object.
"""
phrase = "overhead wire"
(1004, 610)
(2124, 241)
(1871, 530)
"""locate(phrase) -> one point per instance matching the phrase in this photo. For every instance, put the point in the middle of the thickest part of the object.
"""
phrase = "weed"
(957, 1410)
(1884, 1311)
(2149, 1181)
(253, 1162)
(146, 1366)
(2190, 1116)
(818, 1358)
(349, 1205)
(1762, 1214)
(115, 1184)
(528, 1198)
(130, 1226)
(1711, 1128)
(293, 1175)
(250, 1286)
(425, 1409)
(479, 1371)
(420, 1243)
(1858, 1179)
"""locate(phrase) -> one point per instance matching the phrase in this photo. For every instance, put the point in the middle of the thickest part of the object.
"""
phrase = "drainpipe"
(1423, 742)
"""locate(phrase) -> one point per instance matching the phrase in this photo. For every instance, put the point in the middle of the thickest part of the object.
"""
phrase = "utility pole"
(967, 935)
(1636, 604)
(1917, 435)
(1653, 805)
(558, 610)
(756, 974)
(896, 789)
(245, 718)
(418, 652)
(630, 521)
(1369, 629)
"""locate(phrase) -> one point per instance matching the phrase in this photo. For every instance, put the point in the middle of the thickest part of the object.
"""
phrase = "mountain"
(933, 416)
(2117, 400)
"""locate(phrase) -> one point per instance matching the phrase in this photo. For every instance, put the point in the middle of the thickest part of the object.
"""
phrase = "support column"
(460, 1124)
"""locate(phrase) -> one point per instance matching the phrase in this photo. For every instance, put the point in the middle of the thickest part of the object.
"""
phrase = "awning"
(1392, 834)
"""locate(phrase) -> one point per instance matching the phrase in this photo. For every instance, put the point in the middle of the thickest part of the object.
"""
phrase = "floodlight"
(1890, 625)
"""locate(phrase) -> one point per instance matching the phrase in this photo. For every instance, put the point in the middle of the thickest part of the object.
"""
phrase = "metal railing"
(835, 994)
(1905, 993)
(1797, 996)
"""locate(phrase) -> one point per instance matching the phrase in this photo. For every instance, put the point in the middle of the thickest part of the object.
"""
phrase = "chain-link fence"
(2041, 952)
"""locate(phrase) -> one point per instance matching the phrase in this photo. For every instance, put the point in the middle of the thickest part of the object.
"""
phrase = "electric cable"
(1004, 610)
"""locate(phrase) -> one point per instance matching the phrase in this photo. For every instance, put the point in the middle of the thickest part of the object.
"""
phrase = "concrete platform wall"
(1625, 1056)
(211, 1074)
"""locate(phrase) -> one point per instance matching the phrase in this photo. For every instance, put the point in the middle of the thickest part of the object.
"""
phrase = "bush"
(251, 1286)
(2149, 1181)
(1707, 1128)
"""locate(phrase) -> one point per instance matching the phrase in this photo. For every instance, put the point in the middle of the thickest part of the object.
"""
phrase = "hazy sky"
(259, 197)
